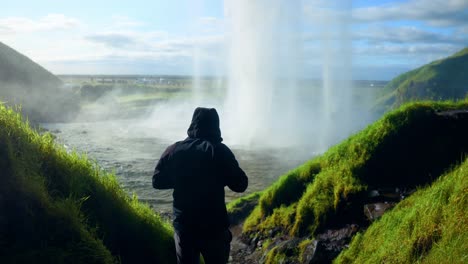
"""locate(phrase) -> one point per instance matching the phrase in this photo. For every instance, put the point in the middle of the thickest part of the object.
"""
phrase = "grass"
(241, 207)
(59, 207)
(443, 79)
(431, 226)
(408, 147)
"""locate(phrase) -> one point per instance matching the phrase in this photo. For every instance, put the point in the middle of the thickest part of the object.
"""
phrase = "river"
(131, 149)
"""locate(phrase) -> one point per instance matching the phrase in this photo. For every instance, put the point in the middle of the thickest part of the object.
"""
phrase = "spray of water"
(263, 67)
(337, 108)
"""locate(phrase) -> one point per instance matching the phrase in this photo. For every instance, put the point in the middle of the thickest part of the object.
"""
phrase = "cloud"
(115, 40)
(410, 49)
(120, 21)
(433, 12)
(50, 22)
(407, 34)
(211, 25)
(154, 44)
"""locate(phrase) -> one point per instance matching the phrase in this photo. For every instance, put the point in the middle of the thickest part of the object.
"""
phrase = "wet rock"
(259, 243)
(254, 241)
(273, 232)
(455, 114)
(310, 254)
(388, 194)
(241, 249)
(376, 210)
(332, 242)
(287, 246)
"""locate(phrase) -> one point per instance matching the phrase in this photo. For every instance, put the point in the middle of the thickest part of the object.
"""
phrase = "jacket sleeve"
(162, 177)
(234, 177)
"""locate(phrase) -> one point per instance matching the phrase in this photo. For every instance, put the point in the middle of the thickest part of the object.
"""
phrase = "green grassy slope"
(19, 69)
(22, 81)
(439, 80)
(57, 207)
(408, 147)
(431, 226)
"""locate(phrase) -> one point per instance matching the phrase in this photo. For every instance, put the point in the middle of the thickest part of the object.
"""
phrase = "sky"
(385, 37)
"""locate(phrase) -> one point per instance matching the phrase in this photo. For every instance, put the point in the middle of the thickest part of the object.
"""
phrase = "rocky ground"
(326, 245)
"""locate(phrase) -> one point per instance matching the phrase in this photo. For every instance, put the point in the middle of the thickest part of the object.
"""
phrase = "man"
(198, 169)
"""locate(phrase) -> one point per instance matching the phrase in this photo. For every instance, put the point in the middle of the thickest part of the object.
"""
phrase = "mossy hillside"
(241, 207)
(58, 207)
(431, 226)
(408, 147)
(444, 79)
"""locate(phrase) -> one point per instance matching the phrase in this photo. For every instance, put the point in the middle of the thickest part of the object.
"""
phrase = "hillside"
(59, 207)
(445, 79)
(24, 82)
(431, 226)
(313, 211)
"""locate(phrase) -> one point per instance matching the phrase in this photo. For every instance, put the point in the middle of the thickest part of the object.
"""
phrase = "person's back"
(197, 169)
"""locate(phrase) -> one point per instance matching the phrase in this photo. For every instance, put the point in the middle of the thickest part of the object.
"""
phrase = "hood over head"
(205, 125)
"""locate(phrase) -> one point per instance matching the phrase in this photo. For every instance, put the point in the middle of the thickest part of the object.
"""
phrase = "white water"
(266, 104)
(337, 110)
(264, 47)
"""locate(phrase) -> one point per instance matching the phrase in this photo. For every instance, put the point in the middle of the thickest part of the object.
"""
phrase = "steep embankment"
(431, 226)
(445, 79)
(24, 82)
(57, 207)
(322, 201)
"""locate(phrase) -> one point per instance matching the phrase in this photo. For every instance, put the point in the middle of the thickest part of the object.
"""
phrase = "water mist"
(268, 102)
(263, 66)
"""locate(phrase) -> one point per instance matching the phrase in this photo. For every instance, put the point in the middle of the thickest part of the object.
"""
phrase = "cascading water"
(267, 104)
(337, 107)
(263, 68)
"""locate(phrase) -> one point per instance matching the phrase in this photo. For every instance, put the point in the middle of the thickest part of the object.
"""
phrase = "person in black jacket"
(198, 168)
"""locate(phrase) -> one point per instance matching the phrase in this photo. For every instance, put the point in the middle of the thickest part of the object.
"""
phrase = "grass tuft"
(59, 207)
(431, 226)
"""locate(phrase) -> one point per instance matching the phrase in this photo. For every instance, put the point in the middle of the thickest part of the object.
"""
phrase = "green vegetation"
(59, 207)
(23, 82)
(241, 207)
(444, 79)
(431, 226)
(408, 147)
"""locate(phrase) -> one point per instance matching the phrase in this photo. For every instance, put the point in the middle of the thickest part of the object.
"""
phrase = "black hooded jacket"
(198, 169)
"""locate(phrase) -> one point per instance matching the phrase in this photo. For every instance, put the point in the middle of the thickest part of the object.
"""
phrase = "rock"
(376, 210)
(259, 243)
(332, 242)
(455, 114)
(310, 253)
(288, 247)
(274, 231)
(388, 194)
(254, 241)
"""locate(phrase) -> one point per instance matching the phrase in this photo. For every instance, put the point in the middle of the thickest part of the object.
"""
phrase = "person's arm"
(234, 176)
(162, 177)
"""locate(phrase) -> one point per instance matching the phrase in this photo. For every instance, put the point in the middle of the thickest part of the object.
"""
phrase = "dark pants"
(213, 247)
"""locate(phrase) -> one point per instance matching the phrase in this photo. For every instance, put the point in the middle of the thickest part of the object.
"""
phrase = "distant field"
(133, 95)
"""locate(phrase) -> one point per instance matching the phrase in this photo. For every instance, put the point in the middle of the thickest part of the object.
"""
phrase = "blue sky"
(163, 37)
